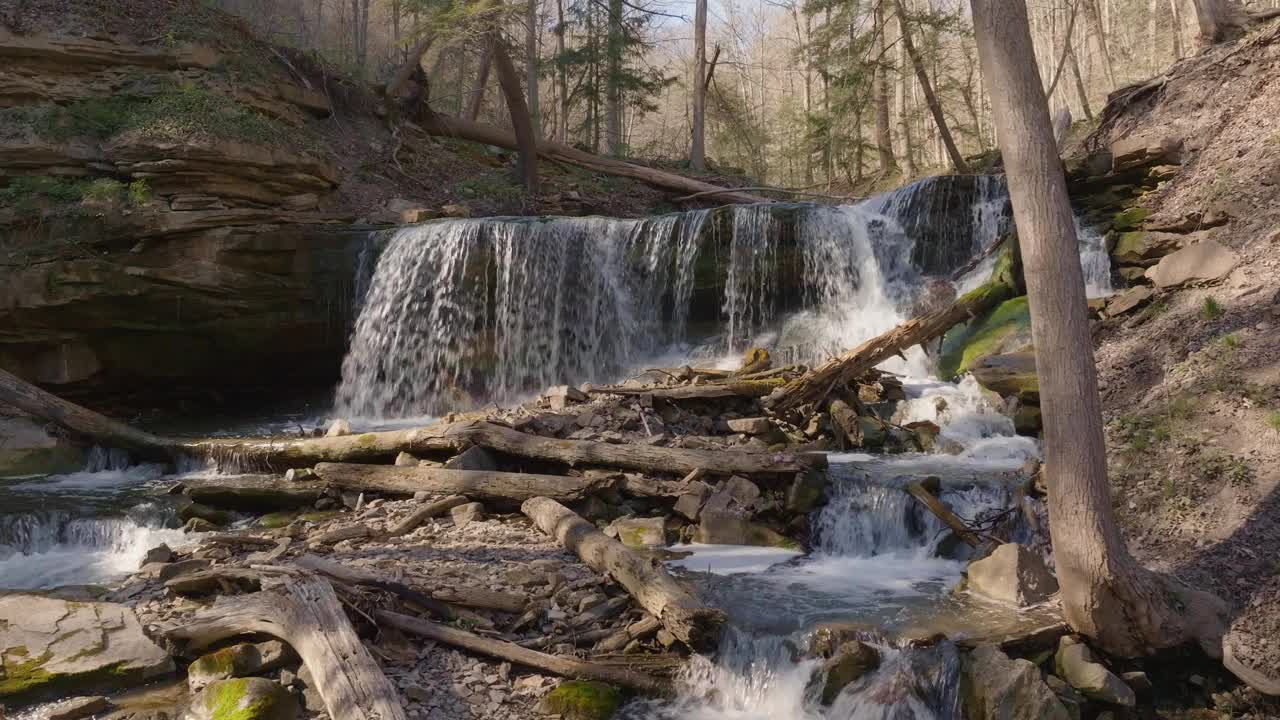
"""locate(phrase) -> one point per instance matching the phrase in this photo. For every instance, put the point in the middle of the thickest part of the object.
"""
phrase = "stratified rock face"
(49, 647)
(999, 688)
(1012, 574)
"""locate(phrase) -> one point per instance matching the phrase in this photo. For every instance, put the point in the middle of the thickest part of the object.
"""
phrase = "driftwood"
(642, 628)
(239, 540)
(446, 126)
(937, 507)
(218, 580)
(682, 614)
(425, 513)
(337, 535)
(306, 614)
(475, 484)
(481, 599)
(585, 637)
(253, 492)
(503, 650)
(706, 391)
(814, 386)
(354, 576)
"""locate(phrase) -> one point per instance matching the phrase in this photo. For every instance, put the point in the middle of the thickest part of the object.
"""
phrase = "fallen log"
(355, 576)
(937, 507)
(448, 126)
(647, 458)
(475, 484)
(814, 386)
(682, 614)
(705, 391)
(253, 493)
(337, 535)
(306, 614)
(425, 513)
(644, 627)
(482, 599)
(218, 580)
(503, 650)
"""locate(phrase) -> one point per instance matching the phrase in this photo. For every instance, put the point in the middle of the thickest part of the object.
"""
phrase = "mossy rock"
(1009, 375)
(276, 520)
(582, 700)
(206, 513)
(244, 699)
(1006, 328)
(1130, 219)
(1027, 420)
(852, 660)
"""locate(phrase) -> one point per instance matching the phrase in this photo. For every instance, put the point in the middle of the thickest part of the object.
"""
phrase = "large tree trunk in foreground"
(502, 650)
(306, 614)
(930, 98)
(475, 484)
(1222, 20)
(521, 122)
(1106, 594)
(682, 614)
(489, 135)
(697, 147)
(813, 386)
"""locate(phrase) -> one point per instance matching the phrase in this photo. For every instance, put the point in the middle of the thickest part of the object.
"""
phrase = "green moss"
(224, 663)
(320, 516)
(1273, 420)
(1130, 219)
(276, 519)
(1008, 324)
(228, 701)
(583, 700)
(27, 679)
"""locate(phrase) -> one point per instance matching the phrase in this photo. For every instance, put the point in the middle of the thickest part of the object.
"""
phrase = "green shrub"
(1273, 420)
(139, 192)
(1211, 310)
(104, 190)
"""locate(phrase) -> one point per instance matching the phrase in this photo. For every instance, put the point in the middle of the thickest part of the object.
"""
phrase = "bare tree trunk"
(1081, 92)
(1106, 594)
(697, 148)
(1153, 39)
(1100, 32)
(808, 88)
(957, 161)
(880, 96)
(482, 79)
(613, 80)
(521, 124)
(1175, 11)
(1222, 20)
(531, 65)
(904, 121)
(1066, 50)
(562, 78)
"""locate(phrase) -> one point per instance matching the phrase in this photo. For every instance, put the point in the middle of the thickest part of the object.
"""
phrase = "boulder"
(195, 510)
(808, 492)
(240, 660)
(1205, 261)
(29, 448)
(338, 428)
(1137, 247)
(1144, 151)
(1074, 663)
(1010, 375)
(851, 661)
(185, 567)
(750, 426)
(1129, 300)
(464, 515)
(158, 554)
(1006, 329)
(1012, 574)
(473, 458)
(689, 505)
(76, 708)
(198, 525)
(51, 647)
(995, 687)
(720, 529)
(641, 532)
(742, 490)
(582, 700)
(243, 699)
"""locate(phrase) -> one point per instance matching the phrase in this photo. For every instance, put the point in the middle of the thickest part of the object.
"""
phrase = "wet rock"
(30, 449)
(199, 525)
(996, 687)
(1012, 574)
(1027, 420)
(338, 428)
(464, 515)
(240, 660)
(243, 699)
(76, 708)
(750, 426)
(850, 662)
(1204, 261)
(158, 554)
(1074, 663)
(1010, 375)
(1137, 680)
(582, 700)
(214, 517)
(473, 458)
(925, 434)
(808, 492)
(184, 567)
(1073, 701)
(642, 532)
(829, 636)
(720, 529)
(1006, 329)
(50, 647)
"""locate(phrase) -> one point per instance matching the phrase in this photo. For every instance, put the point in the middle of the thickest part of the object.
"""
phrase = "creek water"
(456, 313)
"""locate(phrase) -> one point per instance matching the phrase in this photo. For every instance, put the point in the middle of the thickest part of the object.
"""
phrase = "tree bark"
(482, 79)
(613, 80)
(475, 484)
(521, 122)
(935, 107)
(1175, 11)
(697, 148)
(531, 65)
(1066, 50)
(1081, 92)
(880, 94)
(682, 614)
(904, 121)
(1100, 32)
(391, 92)
(1223, 20)
(562, 78)
(454, 127)
(305, 614)
(1106, 595)
(814, 386)
(511, 652)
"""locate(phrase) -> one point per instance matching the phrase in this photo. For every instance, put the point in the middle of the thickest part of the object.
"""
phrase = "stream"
(462, 312)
